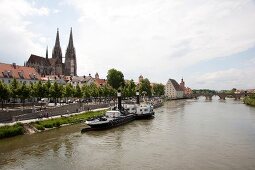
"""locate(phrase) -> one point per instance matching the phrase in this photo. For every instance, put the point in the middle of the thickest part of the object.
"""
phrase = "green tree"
(145, 87)
(115, 78)
(32, 88)
(86, 91)
(24, 93)
(158, 89)
(131, 88)
(47, 87)
(56, 91)
(78, 92)
(4, 93)
(14, 88)
(40, 90)
(94, 90)
(68, 91)
(105, 90)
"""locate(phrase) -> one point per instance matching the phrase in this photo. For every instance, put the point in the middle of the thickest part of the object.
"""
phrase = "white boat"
(141, 111)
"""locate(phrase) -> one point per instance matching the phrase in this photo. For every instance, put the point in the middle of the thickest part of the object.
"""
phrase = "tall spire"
(57, 42)
(70, 58)
(70, 44)
(56, 52)
(57, 56)
(47, 52)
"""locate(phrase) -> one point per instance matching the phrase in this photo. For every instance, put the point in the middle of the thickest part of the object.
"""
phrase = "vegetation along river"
(185, 134)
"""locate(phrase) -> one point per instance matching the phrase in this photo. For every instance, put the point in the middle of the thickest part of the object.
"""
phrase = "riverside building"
(173, 90)
(22, 74)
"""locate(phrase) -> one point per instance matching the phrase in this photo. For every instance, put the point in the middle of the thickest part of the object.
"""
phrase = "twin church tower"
(54, 65)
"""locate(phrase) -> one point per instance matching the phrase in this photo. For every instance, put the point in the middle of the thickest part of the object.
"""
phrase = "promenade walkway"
(51, 117)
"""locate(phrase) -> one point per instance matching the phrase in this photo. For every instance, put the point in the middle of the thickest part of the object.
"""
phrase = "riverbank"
(10, 131)
(249, 100)
(34, 126)
(38, 125)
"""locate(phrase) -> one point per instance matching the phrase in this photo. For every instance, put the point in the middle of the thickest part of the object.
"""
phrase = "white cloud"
(55, 11)
(225, 79)
(17, 41)
(158, 37)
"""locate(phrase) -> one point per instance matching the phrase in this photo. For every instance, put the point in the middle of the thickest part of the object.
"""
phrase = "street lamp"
(119, 99)
(137, 97)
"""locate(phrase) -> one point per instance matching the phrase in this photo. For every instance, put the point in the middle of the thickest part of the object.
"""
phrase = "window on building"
(21, 74)
(10, 73)
(5, 73)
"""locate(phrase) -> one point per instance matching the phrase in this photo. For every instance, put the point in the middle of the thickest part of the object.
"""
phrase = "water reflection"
(185, 134)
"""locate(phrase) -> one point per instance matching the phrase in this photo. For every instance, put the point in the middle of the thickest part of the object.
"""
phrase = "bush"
(49, 125)
(249, 101)
(8, 131)
(39, 127)
(57, 124)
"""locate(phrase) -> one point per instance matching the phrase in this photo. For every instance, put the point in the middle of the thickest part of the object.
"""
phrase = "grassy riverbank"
(19, 128)
(73, 119)
(9, 131)
(249, 100)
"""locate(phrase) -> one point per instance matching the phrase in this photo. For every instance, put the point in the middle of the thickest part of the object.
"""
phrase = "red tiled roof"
(100, 82)
(17, 72)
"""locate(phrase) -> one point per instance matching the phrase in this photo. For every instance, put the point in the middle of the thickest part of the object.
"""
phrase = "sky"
(210, 43)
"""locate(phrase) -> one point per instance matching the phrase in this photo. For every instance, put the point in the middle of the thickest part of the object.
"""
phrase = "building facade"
(173, 90)
(55, 66)
(187, 91)
(22, 74)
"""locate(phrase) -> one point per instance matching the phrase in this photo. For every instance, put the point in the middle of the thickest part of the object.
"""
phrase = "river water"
(185, 134)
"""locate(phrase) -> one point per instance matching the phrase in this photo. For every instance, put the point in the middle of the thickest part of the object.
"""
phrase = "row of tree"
(56, 91)
(116, 80)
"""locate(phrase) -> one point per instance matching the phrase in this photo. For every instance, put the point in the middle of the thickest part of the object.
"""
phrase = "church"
(55, 66)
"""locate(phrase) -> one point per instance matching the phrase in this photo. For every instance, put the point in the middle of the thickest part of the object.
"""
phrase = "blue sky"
(211, 44)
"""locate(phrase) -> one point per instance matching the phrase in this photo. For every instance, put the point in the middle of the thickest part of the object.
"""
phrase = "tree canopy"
(115, 78)
(158, 89)
(145, 87)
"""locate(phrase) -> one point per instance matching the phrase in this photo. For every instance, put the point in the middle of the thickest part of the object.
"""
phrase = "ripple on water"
(191, 134)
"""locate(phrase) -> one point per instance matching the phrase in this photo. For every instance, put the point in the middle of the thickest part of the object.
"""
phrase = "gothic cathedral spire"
(70, 58)
(47, 53)
(57, 55)
(70, 44)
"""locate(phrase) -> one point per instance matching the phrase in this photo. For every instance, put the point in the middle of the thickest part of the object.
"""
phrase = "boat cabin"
(112, 113)
(144, 109)
(130, 108)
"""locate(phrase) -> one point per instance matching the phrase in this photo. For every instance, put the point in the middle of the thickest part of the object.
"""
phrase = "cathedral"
(55, 66)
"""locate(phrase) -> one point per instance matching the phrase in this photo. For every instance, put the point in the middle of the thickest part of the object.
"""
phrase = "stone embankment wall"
(14, 115)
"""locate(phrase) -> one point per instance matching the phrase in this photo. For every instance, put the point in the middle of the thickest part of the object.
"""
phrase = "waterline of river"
(185, 134)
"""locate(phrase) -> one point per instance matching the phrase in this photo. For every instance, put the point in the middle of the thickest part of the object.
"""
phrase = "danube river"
(185, 134)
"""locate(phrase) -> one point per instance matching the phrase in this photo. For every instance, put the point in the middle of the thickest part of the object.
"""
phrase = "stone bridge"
(222, 96)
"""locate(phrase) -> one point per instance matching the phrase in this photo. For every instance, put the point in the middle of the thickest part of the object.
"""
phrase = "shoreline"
(32, 126)
(39, 125)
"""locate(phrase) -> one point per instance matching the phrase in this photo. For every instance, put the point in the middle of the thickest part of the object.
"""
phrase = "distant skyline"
(211, 44)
